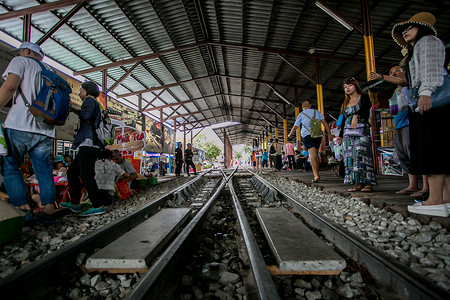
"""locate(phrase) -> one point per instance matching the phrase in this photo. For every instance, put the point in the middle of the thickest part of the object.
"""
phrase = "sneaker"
(47, 218)
(74, 208)
(30, 219)
(86, 203)
(93, 211)
(430, 210)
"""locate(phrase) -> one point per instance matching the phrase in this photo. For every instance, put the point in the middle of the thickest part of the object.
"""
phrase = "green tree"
(212, 151)
(238, 155)
(247, 149)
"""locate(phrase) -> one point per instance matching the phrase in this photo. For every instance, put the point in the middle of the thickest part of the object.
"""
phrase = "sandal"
(315, 180)
(355, 189)
(419, 194)
(404, 192)
(367, 190)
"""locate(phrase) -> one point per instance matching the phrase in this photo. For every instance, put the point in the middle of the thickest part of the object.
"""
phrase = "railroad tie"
(295, 247)
(134, 250)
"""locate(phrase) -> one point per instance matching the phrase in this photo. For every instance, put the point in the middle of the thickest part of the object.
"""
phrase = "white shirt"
(19, 117)
(106, 173)
(257, 150)
(427, 64)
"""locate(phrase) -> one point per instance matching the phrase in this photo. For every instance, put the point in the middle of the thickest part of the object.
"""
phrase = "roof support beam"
(135, 59)
(298, 53)
(199, 132)
(280, 95)
(174, 118)
(127, 73)
(38, 9)
(26, 32)
(60, 23)
(166, 86)
(170, 104)
(151, 101)
(264, 118)
(295, 68)
(273, 110)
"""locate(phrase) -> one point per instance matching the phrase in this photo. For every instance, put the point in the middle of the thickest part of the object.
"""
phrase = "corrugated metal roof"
(229, 52)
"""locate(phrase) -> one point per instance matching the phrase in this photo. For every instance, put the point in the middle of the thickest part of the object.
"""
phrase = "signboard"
(122, 112)
(153, 134)
(130, 141)
(169, 140)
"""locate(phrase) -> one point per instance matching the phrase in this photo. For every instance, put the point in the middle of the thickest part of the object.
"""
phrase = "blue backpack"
(53, 100)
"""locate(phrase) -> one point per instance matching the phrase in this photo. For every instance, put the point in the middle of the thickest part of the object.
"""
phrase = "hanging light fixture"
(337, 16)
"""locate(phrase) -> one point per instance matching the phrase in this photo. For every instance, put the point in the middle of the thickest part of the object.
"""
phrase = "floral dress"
(358, 157)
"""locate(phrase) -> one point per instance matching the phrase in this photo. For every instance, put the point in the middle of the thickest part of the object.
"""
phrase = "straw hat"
(422, 19)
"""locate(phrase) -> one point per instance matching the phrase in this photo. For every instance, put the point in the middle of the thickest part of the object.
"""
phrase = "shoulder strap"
(303, 113)
(25, 100)
(38, 61)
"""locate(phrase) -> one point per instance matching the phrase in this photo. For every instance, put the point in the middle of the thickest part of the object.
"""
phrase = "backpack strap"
(303, 113)
(19, 90)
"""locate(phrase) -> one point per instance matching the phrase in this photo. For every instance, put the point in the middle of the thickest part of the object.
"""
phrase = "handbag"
(440, 97)
(358, 131)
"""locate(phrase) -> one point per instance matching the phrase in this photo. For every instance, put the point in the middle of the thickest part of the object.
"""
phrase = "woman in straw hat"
(425, 61)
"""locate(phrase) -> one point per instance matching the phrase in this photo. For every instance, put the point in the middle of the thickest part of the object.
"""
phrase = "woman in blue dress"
(356, 139)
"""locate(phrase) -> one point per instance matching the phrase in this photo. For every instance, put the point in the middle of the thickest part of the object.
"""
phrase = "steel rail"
(36, 278)
(147, 287)
(386, 270)
(265, 286)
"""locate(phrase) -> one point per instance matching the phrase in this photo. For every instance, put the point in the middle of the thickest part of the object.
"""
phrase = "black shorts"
(310, 142)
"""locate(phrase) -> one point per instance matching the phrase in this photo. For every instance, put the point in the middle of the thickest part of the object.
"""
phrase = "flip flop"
(316, 180)
(355, 189)
(419, 194)
(367, 190)
(404, 192)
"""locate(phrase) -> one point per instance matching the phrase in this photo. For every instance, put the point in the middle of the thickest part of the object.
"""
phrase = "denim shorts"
(310, 142)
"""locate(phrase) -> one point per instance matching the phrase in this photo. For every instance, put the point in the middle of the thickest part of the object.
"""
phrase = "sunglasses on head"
(349, 79)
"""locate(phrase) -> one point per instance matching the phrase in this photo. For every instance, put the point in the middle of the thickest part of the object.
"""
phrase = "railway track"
(221, 216)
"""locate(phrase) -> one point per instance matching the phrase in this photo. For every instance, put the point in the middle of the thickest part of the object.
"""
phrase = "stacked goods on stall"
(388, 128)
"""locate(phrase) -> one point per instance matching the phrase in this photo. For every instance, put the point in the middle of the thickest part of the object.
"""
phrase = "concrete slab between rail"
(132, 251)
(294, 246)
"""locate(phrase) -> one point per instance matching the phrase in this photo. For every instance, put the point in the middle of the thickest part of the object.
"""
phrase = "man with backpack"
(89, 147)
(310, 121)
(25, 134)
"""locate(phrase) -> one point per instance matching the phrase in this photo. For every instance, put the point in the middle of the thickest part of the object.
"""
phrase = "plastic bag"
(124, 190)
(3, 147)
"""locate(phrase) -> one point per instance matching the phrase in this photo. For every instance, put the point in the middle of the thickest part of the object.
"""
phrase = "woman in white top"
(426, 58)
(258, 155)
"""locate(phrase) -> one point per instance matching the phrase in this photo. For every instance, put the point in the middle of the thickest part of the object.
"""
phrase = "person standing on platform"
(256, 149)
(89, 147)
(24, 134)
(399, 109)
(426, 58)
(290, 154)
(188, 157)
(178, 159)
(306, 119)
(265, 158)
(356, 138)
(278, 157)
(272, 155)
